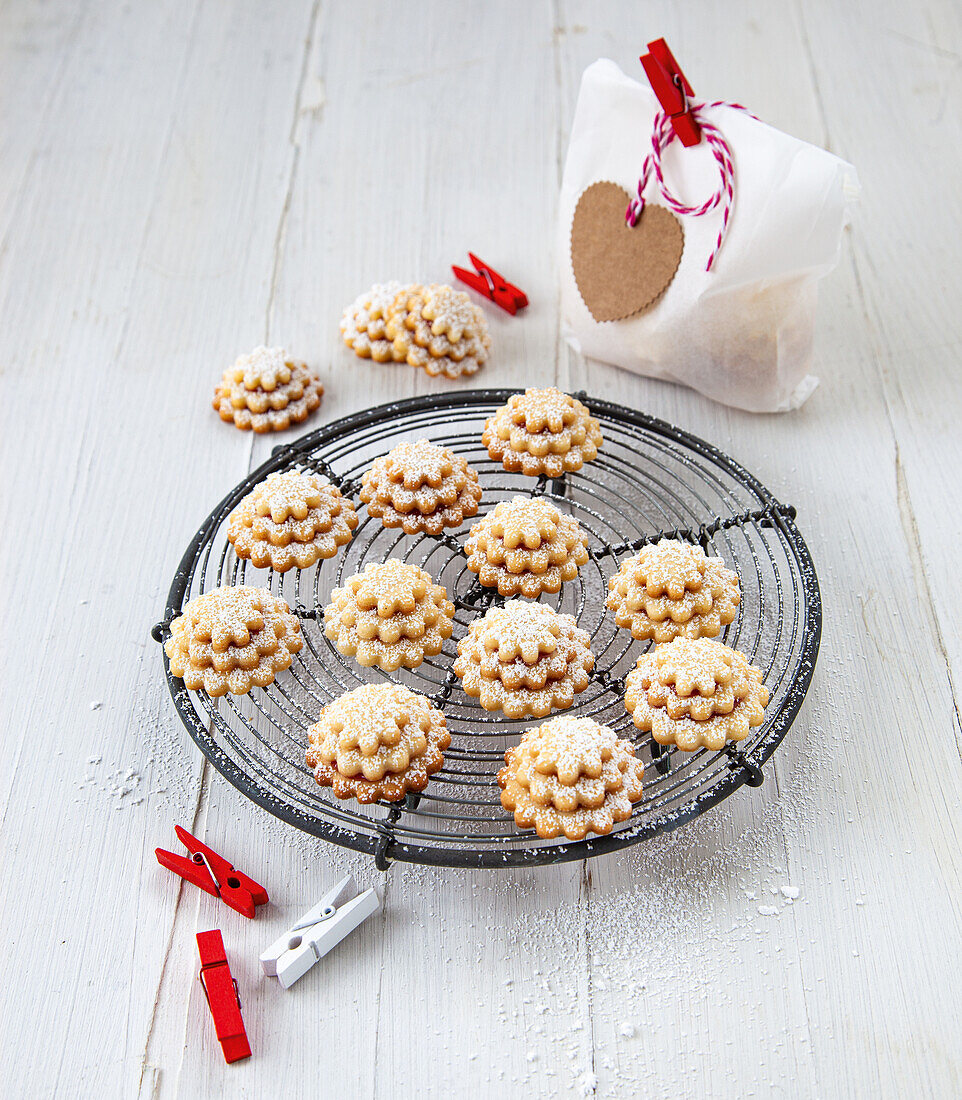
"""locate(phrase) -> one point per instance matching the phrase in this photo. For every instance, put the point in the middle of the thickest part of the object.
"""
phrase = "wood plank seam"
(923, 584)
(177, 920)
(281, 233)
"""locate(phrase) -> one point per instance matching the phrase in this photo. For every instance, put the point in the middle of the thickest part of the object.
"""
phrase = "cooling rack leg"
(661, 757)
(754, 776)
(382, 853)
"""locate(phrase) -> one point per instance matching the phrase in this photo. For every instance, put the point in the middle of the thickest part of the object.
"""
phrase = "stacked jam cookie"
(238, 637)
(432, 326)
(267, 390)
(569, 776)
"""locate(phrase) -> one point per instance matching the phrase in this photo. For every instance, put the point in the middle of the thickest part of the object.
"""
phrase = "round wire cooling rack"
(650, 480)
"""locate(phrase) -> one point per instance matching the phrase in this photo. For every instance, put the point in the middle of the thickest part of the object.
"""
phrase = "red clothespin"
(492, 285)
(220, 990)
(673, 90)
(211, 872)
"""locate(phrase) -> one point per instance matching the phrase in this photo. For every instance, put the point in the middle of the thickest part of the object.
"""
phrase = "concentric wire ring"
(650, 479)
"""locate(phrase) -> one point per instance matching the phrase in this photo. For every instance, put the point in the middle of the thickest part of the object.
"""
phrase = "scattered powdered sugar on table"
(587, 1083)
(596, 986)
(583, 995)
(164, 770)
(122, 785)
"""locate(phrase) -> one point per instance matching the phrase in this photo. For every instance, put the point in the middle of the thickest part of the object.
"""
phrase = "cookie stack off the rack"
(568, 776)
(434, 327)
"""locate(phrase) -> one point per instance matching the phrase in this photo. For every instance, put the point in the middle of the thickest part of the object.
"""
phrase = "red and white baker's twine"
(662, 135)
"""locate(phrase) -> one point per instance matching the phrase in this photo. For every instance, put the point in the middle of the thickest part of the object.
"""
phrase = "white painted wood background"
(180, 181)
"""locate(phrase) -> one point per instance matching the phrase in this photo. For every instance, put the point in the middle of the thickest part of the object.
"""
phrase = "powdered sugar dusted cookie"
(695, 693)
(390, 615)
(268, 391)
(525, 546)
(672, 589)
(365, 321)
(232, 639)
(524, 658)
(570, 776)
(440, 330)
(378, 741)
(542, 432)
(421, 487)
(291, 519)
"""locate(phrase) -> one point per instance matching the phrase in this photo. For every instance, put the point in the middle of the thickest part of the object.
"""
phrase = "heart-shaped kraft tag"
(619, 269)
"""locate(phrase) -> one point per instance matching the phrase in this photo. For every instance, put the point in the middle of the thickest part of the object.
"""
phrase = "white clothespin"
(322, 928)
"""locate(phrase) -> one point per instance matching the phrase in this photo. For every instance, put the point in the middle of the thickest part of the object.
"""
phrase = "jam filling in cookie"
(695, 693)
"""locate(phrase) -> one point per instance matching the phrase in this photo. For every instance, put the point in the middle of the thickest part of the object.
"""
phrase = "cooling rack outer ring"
(432, 855)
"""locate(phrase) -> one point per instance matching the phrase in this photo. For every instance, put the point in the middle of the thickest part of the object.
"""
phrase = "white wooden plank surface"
(179, 182)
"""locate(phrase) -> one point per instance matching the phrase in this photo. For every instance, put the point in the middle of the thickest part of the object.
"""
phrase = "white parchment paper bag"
(741, 333)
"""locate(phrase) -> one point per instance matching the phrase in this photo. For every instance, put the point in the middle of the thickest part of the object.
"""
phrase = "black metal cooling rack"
(650, 480)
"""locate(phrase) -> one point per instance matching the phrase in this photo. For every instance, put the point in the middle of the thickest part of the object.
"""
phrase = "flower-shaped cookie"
(268, 391)
(291, 519)
(570, 776)
(672, 589)
(440, 329)
(378, 741)
(364, 324)
(390, 615)
(695, 692)
(542, 432)
(524, 658)
(525, 546)
(232, 639)
(421, 487)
